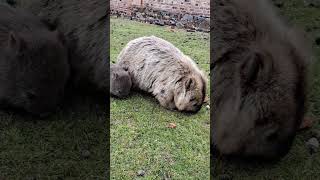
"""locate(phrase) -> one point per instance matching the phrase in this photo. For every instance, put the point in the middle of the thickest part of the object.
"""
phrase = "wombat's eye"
(30, 95)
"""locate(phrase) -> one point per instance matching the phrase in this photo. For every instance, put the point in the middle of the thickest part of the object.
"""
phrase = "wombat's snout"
(274, 152)
(271, 145)
(260, 151)
(196, 108)
(189, 108)
(280, 151)
(122, 93)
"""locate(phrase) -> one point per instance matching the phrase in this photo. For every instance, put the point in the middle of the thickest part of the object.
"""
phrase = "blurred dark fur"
(34, 65)
(259, 73)
(84, 24)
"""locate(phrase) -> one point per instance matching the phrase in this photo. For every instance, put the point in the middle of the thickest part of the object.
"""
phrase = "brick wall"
(120, 5)
(194, 7)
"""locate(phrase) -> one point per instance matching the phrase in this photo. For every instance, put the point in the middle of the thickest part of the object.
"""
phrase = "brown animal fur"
(84, 25)
(258, 80)
(33, 63)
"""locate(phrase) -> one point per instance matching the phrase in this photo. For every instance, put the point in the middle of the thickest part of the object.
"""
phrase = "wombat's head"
(120, 81)
(260, 110)
(34, 71)
(190, 93)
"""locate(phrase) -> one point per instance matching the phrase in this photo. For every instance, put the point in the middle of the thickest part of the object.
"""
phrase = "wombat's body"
(120, 81)
(258, 83)
(84, 24)
(157, 67)
(33, 62)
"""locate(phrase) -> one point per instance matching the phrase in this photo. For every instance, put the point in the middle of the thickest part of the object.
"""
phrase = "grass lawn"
(68, 145)
(140, 138)
(298, 164)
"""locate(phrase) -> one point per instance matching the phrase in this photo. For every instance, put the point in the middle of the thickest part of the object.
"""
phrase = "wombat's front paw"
(166, 104)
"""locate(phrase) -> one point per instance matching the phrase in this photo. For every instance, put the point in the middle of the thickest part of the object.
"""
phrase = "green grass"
(140, 139)
(298, 164)
(70, 144)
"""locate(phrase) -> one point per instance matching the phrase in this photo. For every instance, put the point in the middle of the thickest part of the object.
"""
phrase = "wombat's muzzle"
(198, 108)
(193, 111)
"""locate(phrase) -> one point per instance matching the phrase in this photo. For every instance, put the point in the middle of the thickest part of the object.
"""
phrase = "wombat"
(84, 24)
(158, 67)
(33, 62)
(259, 74)
(120, 81)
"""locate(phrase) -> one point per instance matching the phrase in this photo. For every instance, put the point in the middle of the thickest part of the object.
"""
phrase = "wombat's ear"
(15, 42)
(189, 83)
(256, 66)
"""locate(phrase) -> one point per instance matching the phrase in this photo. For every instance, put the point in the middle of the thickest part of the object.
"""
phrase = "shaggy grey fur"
(158, 67)
(258, 70)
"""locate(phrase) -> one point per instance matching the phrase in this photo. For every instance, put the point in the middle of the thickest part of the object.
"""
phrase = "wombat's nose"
(197, 108)
(282, 149)
(193, 110)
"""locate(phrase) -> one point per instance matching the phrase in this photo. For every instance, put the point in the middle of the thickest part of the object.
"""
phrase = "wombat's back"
(151, 58)
(158, 67)
(19, 21)
(84, 24)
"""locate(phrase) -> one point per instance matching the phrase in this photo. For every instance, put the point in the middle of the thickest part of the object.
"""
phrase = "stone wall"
(194, 7)
(120, 6)
(193, 15)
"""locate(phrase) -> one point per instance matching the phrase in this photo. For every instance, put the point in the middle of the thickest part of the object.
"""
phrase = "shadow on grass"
(219, 168)
(71, 143)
